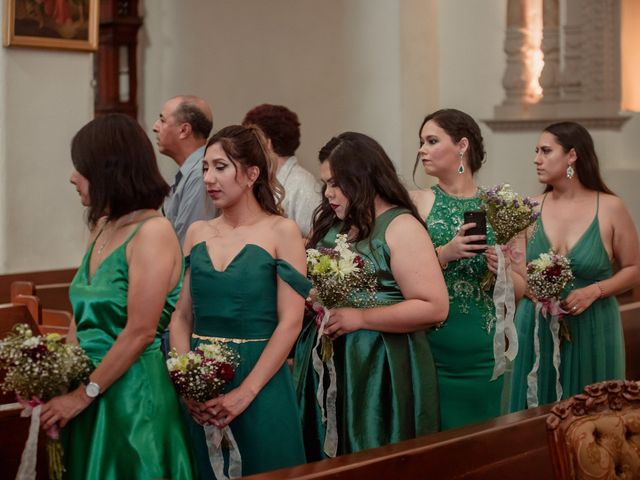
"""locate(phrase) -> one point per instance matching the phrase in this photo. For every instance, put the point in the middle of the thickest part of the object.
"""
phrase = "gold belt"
(228, 340)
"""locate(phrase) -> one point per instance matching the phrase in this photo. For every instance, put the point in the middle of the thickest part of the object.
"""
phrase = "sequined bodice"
(462, 276)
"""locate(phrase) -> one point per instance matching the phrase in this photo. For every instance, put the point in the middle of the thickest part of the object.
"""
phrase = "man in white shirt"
(182, 129)
(282, 130)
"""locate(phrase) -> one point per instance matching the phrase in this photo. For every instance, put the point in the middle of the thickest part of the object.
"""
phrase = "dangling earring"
(461, 167)
(570, 172)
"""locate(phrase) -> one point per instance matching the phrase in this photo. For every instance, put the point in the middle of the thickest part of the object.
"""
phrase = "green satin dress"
(386, 382)
(596, 350)
(463, 346)
(134, 430)
(240, 305)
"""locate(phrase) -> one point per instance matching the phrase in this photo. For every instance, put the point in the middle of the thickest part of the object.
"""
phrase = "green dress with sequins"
(463, 346)
(387, 388)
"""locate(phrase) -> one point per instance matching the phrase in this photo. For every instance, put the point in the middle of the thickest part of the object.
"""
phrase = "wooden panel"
(630, 314)
(54, 296)
(512, 446)
(38, 278)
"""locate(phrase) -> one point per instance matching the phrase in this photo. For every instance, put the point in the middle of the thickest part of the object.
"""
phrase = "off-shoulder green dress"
(386, 382)
(134, 430)
(239, 306)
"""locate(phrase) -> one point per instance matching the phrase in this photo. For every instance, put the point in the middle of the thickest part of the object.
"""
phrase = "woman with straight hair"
(583, 220)
(126, 422)
(452, 150)
(245, 284)
(386, 379)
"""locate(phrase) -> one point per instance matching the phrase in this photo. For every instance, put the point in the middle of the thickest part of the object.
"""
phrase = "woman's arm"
(154, 268)
(416, 269)
(181, 325)
(290, 247)
(626, 252)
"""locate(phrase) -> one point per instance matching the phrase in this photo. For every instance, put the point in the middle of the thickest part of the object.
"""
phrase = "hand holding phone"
(479, 217)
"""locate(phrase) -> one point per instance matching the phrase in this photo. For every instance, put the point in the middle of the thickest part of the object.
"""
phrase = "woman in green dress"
(583, 220)
(126, 422)
(386, 380)
(246, 285)
(452, 150)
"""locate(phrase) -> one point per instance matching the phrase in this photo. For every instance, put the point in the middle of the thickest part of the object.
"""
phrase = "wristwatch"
(92, 389)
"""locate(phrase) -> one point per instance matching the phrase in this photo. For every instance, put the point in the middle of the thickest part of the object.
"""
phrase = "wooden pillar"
(115, 67)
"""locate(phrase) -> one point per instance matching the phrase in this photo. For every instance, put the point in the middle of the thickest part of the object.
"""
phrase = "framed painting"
(61, 24)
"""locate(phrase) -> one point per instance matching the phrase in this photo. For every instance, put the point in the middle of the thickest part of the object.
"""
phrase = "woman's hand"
(59, 410)
(580, 299)
(492, 258)
(343, 320)
(225, 408)
(460, 245)
(197, 410)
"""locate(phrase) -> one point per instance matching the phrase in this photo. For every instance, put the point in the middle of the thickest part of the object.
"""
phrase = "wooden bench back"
(512, 446)
(630, 314)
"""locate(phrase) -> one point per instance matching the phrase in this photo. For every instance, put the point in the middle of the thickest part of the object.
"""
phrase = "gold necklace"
(118, 223)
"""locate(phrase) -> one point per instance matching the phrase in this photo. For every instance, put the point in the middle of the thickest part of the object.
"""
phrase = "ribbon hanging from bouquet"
(545, 307)
(214, 437)
(329, 416)
(27, 469)
(505, 303)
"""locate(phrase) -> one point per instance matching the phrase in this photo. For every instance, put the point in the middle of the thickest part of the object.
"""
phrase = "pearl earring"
(570, 172)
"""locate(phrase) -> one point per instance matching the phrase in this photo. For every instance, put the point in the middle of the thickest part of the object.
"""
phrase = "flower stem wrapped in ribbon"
(509, 213)
(39, 368)
(341, 278)
(201, 375)
(548, 275)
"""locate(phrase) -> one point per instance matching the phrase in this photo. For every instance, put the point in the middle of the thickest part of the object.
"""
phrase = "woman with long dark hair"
(386, 380)
(583, 220)
(245, 284)
(452, 150)
(126, 422)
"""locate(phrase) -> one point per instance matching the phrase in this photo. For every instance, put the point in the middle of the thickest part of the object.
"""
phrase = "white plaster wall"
(341, 65)
(46, 96)
(470, 68)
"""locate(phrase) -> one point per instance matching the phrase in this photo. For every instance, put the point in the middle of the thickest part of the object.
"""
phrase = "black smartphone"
(479, 217)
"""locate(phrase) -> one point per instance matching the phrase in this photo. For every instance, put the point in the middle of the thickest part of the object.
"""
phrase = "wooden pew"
(38, 278)
(512, 446)
(52, 296)
(14, 428)
(47, 320)
(630, 314)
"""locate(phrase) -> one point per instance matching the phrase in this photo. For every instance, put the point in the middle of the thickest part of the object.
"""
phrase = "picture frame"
(58, 24)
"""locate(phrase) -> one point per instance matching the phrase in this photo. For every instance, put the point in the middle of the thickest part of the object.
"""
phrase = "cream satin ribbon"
(27, 469)
(505, 303)
(214, 437)
(545, 307)
(329, 416)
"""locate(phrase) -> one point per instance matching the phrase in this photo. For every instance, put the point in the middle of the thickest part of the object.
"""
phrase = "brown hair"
(245, 146)
(115, 155)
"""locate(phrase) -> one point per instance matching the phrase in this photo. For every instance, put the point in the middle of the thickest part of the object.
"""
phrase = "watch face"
(92, 390)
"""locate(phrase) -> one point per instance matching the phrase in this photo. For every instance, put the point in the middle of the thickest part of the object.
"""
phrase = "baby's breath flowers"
(548, 276)
(341, 278)
(508, 212)
(201, 375)
(38, 368)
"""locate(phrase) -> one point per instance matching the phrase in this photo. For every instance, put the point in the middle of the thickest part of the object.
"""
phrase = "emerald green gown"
(463, 346)
(240, 303)
(386, 382)
(134, 430)
(596, 350)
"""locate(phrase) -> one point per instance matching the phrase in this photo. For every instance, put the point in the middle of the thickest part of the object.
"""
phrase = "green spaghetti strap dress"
(596, 350)
(134, 430)
(463, 346)
(386, 382)
(240, 305)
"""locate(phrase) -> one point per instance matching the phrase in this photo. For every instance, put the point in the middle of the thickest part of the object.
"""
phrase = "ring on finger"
(574, 309)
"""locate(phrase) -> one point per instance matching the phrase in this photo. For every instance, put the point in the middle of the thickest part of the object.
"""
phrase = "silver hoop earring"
(461, 167)
(570, 172)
